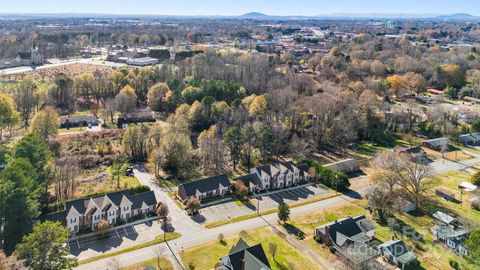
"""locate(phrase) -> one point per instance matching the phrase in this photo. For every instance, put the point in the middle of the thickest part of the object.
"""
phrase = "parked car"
(129, 171)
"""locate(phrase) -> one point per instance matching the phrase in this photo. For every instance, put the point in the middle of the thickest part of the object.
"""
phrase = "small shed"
(445, 194)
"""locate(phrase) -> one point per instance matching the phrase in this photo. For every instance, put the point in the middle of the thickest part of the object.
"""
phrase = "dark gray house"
(245, 257)
(350, 238)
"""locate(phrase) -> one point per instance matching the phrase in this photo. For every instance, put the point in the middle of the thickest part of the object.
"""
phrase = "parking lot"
(117, 238)
(266, 201)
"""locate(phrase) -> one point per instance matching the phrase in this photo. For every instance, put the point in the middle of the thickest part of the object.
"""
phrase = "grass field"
(61, 130)
(450, 181)
(205, 256)
(431, 255)
(165, 264)
(86, 189)
(452, 155)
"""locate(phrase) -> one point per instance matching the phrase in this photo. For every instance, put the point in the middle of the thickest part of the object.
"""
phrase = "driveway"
(180, 220)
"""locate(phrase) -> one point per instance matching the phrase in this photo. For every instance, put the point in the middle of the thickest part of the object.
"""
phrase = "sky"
(238, 7)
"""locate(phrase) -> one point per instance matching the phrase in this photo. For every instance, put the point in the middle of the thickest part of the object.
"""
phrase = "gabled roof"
(242, 257)
(348, 230)
(88, 206)
(250, 178)
(438, 142)
(399, 250)
(204, 185)
(25, 55)
(56, 216)
(145, 197)
(444, 217)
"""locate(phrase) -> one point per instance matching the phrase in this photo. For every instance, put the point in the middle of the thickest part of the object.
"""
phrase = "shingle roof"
(399, 250)
(91, 204)
(56, 216)
(147, 197)
(250, 178)
(25, 55)
(245, 257)
(204, 185)
(348, 230)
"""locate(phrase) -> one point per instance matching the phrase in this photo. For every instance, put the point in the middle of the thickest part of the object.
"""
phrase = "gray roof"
(348, 230)
(438, 142)
(399, 250)
(358, 253)
(243, 257)
(116, 197)
(203, 185)
(250, 178)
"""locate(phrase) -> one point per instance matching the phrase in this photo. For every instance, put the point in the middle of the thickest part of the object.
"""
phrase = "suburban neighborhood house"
(245, 257)
(278, 175)
(267, 177)
(350, 237)
(398, 253)
(437, 144)
(86, 213)
(205, 188)
(472, 139)
(450, 231)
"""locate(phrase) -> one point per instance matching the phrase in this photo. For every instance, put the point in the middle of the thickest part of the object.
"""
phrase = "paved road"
(182, 223)
(205, 235)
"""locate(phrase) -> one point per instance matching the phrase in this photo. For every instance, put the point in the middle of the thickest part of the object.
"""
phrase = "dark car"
(129, 172)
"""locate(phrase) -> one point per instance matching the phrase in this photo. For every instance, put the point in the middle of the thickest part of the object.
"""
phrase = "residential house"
(278, 175)
(451, 232)
(414, 154)
(204, 188)
(349, 165)
(397, 252)
(437, 144)
(470, 139)
(86, 213)
(350, 238)
(139, 115)
(245, 257)
(78, 121)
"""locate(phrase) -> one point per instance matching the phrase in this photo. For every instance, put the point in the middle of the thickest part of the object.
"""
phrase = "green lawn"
(205, 256)
(159, 239)
(450, 181)
(165, 264)
(430, 255)
(61, 130)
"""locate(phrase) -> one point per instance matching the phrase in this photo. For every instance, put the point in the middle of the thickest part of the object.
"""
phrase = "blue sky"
(237, 7)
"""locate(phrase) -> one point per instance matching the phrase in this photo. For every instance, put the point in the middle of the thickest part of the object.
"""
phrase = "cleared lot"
(268, 201)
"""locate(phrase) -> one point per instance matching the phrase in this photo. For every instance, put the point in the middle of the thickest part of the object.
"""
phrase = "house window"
(451, 243)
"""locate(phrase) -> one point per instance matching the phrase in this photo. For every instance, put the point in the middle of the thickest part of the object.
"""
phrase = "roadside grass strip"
(159, 239)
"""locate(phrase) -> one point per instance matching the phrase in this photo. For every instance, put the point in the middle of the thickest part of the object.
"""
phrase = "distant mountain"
(458, 16)
(255, 16)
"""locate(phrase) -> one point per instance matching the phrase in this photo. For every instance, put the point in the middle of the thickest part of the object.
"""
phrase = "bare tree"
(158, 251)
(415, 180)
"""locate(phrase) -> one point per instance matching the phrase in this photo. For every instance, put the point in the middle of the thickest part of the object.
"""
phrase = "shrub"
(329, 177)
(331, 249)
(454, 264)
